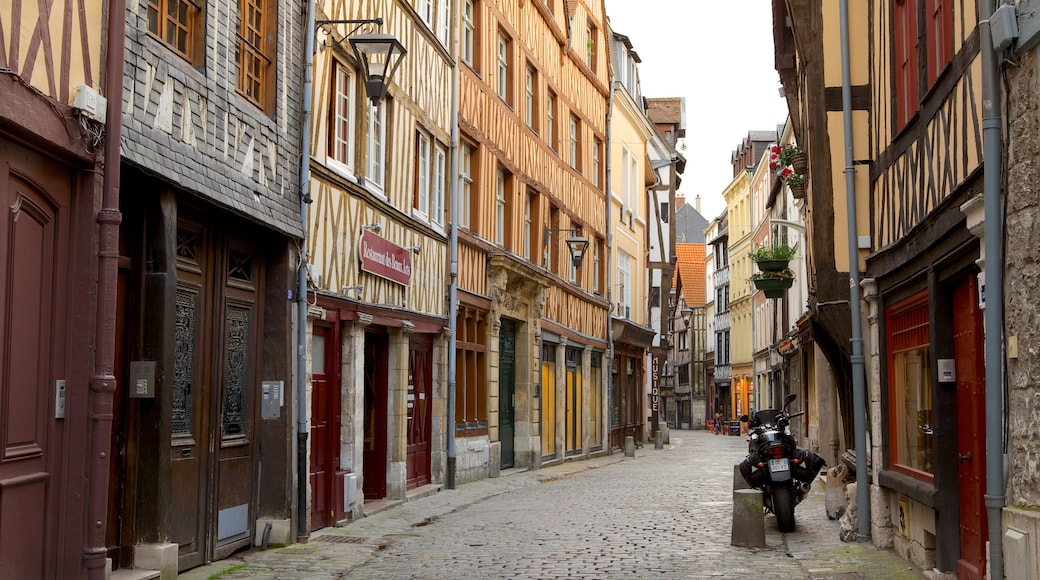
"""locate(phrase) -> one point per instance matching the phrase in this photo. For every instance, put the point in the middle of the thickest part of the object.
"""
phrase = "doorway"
(506, 391)
(574, 403)
(971, 428)
(374, 458)
(325, 425)
(420, 408)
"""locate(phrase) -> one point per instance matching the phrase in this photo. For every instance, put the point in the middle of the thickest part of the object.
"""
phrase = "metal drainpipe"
(103, 383)
(858, 386)
(453, 289)
(302, 532)
(994, 302)
(607, 259)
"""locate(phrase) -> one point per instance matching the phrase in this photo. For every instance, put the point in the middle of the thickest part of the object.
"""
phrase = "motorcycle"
(776, 465)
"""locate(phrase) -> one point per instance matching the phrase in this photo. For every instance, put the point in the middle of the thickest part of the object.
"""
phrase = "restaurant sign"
(385, 259)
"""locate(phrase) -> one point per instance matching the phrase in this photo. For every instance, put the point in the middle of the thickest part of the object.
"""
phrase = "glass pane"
(184, 362)
(236, 371)
(317, 354)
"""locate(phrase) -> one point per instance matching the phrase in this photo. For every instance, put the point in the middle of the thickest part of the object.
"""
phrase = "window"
(633, 189)
(437, 185)
(683, 345)
(341, 129)
(177, 23)
(256, 52)
(550, 120)
(572, 270)
(425, 10)
(625, 290)
(421, 195)
(471, 413)
(910, 388)
(530, 96)
(504, 53)
(597, 147)
(664, 211)
(528, 202)
(468, 32)
(595, 267)
(551, 240)
(940, 37)
(590, 45)
(500, 206)
(444, 21)
(375, 146)
(466, 173)
(575, 143)
(905, 49)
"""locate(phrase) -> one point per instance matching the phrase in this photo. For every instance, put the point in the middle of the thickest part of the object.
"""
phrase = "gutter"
(453, 289)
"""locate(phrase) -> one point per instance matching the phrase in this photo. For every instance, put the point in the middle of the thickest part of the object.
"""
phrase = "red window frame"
(905, 45)
(907, 328)
(940, 37)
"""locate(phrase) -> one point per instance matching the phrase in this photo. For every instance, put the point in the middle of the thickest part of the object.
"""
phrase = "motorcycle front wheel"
(783, 507)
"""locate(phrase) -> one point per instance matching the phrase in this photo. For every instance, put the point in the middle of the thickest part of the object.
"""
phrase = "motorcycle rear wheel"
(783, 507)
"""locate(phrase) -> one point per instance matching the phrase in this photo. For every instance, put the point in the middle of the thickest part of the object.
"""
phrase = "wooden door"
(548, 401)
(325, 425)
(213, 416)
(374, 457)
(971, 429)
(420, 408)
(506, 391)
(34, 259)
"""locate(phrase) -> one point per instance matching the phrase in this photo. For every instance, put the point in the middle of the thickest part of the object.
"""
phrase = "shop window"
(471, 410)
(910, 398)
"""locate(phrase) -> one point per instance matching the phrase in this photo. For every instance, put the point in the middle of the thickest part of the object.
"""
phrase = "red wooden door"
(376, 401)
(34, 257)
(325, 426)
(420, 406)
(971, 431)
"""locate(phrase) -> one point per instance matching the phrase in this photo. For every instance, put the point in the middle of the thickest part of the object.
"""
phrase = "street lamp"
(576, 244)
(378, 54)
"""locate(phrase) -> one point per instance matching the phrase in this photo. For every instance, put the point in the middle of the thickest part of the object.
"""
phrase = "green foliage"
(779, 275)
(779, 252)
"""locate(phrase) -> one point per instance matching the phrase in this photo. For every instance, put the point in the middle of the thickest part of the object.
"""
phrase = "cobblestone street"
(665, 513)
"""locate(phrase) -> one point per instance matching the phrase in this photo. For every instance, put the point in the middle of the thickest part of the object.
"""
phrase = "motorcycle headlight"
(754, 436)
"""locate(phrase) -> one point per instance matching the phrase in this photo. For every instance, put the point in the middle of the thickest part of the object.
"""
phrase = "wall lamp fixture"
(357, 288)
(575, 244)
(378, 54)
(374, 228)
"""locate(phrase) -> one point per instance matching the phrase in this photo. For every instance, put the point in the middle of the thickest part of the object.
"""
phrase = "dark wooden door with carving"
(420, 407)
(506, 390)
(34, 260)
(212, 421)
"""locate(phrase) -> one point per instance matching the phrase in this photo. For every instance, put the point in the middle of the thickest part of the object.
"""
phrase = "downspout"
(453, 289)
(302, 532)
(994, 302)
(103, 383)
(859, 407)
(608, 259)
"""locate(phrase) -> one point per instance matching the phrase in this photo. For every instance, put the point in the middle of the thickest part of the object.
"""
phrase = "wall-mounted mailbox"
(142, 379)
(271, 399)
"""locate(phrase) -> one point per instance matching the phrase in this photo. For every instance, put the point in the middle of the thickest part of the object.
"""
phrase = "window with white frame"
(550, 120)
(421, 195)
(530, 87)
(624, 267)
(341, 138)
(626, 155)
(572, 270)
(437, 185)
(443, 21)
(500, 206)
(504, 49)
(468, 32)
(425, 10)
(633, 188)
(466, 173)
(527, 226)
(375, 144)
(597, 145)
(595, 268)
(575, 148)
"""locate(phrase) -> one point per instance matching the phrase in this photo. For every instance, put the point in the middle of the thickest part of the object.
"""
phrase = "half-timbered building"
(60, 86)
(916, 141)
(377, 243)
(202, 454)
(532, 323)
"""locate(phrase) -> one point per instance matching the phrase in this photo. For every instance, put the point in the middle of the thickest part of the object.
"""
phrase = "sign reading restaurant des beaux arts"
(385, 259)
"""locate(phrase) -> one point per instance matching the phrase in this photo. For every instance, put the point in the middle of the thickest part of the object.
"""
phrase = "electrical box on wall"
(947, 370)
(90, 103)
(142, 379)
(271, 399)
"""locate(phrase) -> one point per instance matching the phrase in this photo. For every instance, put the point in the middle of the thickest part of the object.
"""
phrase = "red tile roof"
(690, 267)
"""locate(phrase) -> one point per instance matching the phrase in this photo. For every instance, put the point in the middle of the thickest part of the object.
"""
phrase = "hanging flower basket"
(800, 163)
(773, 287)
(772, 258)
(772, 265)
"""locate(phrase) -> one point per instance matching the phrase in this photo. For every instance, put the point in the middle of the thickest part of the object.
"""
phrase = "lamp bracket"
(327, 25)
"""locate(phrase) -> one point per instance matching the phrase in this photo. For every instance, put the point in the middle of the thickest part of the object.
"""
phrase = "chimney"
(680, 200)
(697, 203)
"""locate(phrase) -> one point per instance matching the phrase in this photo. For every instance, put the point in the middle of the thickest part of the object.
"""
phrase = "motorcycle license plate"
(776, 465)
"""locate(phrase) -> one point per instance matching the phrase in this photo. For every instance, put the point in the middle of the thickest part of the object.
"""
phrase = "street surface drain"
(297, 550)
(838, 576)
(340, 539)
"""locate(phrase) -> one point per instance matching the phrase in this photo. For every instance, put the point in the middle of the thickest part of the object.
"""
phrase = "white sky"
(719, 55)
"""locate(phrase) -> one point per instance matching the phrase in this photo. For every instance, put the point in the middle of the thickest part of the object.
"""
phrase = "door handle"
(186, 452)
(965, 457)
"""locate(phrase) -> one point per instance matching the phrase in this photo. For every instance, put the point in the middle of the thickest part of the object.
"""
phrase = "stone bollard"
(749, 529)
(658, 440)
(630, 446)
(738, 479)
